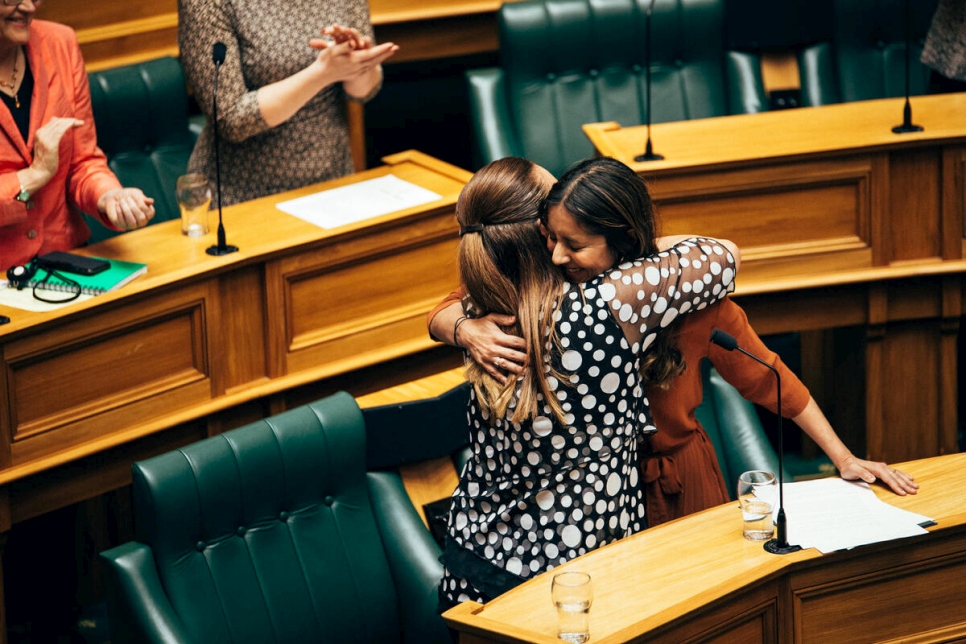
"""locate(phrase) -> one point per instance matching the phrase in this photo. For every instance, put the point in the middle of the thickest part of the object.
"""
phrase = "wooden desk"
(198, 334)
(201, 343)
(841, 223)
(697, 579)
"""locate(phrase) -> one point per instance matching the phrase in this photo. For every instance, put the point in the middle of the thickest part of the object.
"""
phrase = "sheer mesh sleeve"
(647, 294)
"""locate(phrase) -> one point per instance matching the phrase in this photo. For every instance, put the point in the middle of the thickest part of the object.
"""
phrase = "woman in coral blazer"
(51, 169)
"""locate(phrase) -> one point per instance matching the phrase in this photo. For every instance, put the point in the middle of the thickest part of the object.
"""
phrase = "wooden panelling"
(783, 216)
(745, 618)
(327, 303)
(242, 330)
(954, 202)
(914, 211)
(912, 596)
(146, 360)
(118, 33)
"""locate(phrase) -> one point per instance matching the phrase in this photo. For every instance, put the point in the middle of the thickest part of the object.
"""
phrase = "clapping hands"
(348, 55)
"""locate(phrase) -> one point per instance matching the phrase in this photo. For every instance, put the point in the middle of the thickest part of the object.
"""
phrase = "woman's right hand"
(47, 150)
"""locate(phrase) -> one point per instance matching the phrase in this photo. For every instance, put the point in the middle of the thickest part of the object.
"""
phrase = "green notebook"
(119, 274)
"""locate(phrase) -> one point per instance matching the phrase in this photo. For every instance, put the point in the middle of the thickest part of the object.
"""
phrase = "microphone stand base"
(905, 128)
(774, 548)
(221, 250)
(649, 156)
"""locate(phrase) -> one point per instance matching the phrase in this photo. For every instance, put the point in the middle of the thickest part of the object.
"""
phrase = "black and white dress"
(537, 494)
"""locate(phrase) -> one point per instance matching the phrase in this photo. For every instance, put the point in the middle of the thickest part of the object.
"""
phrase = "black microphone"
(649, 154)
(221, 248)
(907, 124)
(779, 545)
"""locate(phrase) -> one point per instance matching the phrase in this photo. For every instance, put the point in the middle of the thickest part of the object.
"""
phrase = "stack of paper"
(833, 514)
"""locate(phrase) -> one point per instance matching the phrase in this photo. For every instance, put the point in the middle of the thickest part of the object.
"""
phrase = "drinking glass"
(572, 594)
(194, 199)
(757, 494)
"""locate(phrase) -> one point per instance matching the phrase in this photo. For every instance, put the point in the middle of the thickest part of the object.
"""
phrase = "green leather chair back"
(734, 428)
(565, 63)
(867, 55)
(141, 114)
(267, 534)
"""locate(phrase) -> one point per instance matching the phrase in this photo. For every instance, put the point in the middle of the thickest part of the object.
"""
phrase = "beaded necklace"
(12, 85)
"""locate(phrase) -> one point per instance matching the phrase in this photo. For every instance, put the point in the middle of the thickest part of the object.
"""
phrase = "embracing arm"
(669, 241)
(484, 338)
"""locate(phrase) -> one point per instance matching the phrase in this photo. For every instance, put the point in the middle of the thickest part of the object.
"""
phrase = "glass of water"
(194, 199)
(757, 495)
(572, 594)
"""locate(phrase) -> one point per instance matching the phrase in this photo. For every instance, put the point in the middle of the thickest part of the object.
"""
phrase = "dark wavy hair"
(608, 199)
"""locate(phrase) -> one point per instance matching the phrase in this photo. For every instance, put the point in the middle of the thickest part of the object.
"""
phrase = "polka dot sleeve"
(648, 294)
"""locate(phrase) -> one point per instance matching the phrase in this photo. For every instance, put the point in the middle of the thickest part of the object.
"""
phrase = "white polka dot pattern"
(537, 494)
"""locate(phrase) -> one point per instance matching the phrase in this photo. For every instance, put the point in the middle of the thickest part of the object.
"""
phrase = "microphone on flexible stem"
(907, 124)
(779, 545)
(649, 154)
(221, 248)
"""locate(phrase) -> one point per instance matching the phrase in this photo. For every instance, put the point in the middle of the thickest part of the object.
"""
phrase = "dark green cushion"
(141, 114)
(267, 533)
(732, 423)
(866, 58)
(565, 63)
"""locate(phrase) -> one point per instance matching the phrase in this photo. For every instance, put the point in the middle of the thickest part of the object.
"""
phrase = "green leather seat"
(141, 114)
(565, 63)
(268, 533)
(734, 428)
(866, 57)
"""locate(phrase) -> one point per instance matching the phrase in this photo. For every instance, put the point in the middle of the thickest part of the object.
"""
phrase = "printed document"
(358, 201)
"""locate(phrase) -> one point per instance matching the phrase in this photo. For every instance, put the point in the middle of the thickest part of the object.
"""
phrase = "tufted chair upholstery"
(141, 114)
(734, 428)
(866, 57)
(565, 63)
(267, 533)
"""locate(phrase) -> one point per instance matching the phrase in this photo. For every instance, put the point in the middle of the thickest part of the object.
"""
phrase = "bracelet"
(456, 327)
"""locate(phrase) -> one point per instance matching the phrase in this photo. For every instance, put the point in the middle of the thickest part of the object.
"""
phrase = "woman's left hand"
(126, 208)
(855, 469)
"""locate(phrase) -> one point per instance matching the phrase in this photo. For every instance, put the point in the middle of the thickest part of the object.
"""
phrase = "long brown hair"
(504, 264)
(608, 199)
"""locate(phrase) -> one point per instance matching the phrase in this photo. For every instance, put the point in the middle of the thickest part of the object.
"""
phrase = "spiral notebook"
(119, 274)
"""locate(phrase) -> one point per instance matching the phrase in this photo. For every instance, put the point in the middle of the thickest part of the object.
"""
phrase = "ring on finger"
(499, 363)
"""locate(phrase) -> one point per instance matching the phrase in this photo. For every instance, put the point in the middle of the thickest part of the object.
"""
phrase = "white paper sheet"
(26, 301)
(833, 514)
(358, 201)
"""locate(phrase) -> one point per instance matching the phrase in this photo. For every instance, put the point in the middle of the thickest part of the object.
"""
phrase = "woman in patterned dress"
(281, 89)
(554, 469)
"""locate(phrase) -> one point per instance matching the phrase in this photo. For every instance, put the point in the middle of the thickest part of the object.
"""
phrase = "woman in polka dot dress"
(554, 470)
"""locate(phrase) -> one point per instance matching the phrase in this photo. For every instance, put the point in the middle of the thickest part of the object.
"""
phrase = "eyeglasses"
(17, 3)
